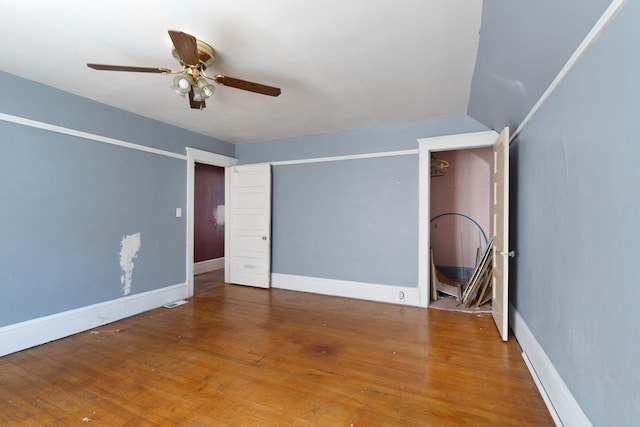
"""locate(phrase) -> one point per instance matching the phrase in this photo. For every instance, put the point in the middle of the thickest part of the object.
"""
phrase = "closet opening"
(460, 228)
(494, 260)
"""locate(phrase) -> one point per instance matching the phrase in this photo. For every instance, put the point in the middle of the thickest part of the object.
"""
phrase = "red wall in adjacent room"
(208, 233)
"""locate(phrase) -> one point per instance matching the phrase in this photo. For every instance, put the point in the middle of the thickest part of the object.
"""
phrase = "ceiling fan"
(194, 56)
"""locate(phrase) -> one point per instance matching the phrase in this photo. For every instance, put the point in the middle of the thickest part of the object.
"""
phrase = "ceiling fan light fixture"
(182, 83)
(182, 94)
(205, 87)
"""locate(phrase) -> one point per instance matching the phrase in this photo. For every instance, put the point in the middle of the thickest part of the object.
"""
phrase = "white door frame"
(194, 155)
(426, 146)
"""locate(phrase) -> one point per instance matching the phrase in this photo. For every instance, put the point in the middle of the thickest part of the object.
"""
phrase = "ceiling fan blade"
(186, 46)
(198, 105)
(245, 85)
(106, 67)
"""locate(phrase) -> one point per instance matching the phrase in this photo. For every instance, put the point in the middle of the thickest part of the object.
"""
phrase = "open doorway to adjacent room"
(207, 210)
(208, 218)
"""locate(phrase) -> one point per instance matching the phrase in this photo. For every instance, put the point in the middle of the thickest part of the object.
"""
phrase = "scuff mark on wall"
(129, 248)
(218, 214)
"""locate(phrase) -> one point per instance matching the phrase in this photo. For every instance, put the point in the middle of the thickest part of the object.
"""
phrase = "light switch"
(178, 212)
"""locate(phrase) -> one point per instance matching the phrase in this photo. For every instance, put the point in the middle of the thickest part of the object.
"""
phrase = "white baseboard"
(23, 335)
(207, 266)
(563, 407)
(404, 295)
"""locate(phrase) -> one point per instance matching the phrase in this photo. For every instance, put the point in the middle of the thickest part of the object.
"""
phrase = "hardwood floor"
(239, 356)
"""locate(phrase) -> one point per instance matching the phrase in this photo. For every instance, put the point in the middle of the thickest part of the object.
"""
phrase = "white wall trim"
(208, 265)
(606, 18)
(210, 158)
(346, 289)
(87, 135)
(425, 147)
(346, 157)
(563, 407)
(200, 156)
(30, 333)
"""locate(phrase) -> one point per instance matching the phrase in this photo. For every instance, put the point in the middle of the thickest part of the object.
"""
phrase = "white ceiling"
(341, 64)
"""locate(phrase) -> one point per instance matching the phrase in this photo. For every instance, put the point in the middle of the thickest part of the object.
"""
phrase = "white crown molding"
(597, 29)
(87, 136)
(346, 157)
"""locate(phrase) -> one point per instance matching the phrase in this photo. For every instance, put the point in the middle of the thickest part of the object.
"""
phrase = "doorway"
(499, 217)
(203, 157)
(460, 223)
(209, 219)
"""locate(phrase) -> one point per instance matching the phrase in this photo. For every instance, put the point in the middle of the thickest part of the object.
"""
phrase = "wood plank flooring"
(239, 356)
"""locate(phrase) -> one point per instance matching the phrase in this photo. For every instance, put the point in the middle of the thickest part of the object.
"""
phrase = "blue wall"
(575, 212)
(523, 46)
(354, 220)
(351, 220)
(67, 202)
(35, 101)
(358, 141)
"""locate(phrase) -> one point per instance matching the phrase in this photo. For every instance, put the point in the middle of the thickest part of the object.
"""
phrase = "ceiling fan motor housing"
(206, 55)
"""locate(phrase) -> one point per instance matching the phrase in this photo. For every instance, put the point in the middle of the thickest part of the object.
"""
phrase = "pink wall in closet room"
(464, 189)
(208, 213)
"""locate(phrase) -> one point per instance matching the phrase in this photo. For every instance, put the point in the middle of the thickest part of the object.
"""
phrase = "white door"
(249, 222)
(500, 210)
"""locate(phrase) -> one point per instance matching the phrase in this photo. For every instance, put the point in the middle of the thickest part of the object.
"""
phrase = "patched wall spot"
(218, 214)
(129, 248)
